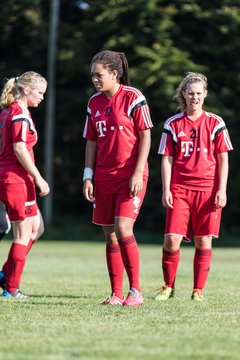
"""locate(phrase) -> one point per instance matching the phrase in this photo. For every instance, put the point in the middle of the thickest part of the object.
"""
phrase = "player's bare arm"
(136, 180)
(90, 158)
(26, 161)
(221, 196)
(166, 170)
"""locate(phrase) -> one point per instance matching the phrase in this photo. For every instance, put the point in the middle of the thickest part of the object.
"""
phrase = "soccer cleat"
(134, 298)
(164, 293)
(2, 280)
(15, 294)
(197, 295)
(113, 300)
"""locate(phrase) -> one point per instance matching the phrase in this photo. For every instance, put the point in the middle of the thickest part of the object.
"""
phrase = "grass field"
(62, 320)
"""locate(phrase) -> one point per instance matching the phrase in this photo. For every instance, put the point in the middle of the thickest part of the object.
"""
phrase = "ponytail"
(13, 88)
(124, 79)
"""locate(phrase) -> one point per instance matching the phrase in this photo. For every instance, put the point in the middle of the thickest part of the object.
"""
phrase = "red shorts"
(194, 214)
(112, 200)
(19, 199)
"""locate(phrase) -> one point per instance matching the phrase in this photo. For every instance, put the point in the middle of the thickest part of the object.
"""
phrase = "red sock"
(115, 268)
(15, 265)
(130, 256)
(170, 261)
(29, 245)
(201, 267)
(28, 248)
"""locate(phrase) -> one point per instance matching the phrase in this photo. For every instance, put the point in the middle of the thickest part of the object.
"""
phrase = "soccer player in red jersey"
(118, 137)
(19, 174)
(194, 148)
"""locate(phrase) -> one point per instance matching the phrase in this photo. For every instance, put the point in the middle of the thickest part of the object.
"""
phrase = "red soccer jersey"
(16, 125)
(194, 146)
(115, 124)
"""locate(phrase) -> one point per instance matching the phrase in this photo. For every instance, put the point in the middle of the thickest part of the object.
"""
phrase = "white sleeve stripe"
(24, 118)
(132, 89)
(162, 145)
(134, 103)
(146, 117)
(24, 131)
(169, 129)
(85, 127)
(20, 116)
(227, 139)
(89, 110)
(216, 129)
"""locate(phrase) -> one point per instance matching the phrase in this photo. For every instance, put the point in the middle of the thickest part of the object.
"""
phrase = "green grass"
(62, 320)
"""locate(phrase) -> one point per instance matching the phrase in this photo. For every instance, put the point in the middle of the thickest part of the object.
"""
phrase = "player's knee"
(172, 242)
(38, 232)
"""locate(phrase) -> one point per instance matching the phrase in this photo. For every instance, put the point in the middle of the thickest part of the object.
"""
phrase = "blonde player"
(194, 145)
(19, 174)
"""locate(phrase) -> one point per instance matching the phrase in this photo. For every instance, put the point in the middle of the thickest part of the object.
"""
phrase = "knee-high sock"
(115, 268)
(130, 256)
(170, 261)
(15, 265)
(201, 267)
(29, 245)
(28, 248)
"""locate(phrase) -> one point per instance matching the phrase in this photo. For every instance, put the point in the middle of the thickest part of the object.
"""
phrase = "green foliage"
(162, 40)
(62, 319)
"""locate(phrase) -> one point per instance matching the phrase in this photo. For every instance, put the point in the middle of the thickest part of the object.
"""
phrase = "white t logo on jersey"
(101, 127)
(186, 147)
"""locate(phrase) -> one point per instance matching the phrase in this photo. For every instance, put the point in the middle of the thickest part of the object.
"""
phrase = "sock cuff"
(170, 253)
(112, 248)
(203, 251)
(127, 240)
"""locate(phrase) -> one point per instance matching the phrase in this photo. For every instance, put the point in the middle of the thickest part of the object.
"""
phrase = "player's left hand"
(221, 199)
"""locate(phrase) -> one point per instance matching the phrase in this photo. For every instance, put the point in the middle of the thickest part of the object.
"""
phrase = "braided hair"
(113, 60)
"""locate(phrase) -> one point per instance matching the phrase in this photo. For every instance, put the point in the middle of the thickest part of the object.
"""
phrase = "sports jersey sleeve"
(166, 146)
(89, 132)
(139, 111)
(21, 124)
(221, 138)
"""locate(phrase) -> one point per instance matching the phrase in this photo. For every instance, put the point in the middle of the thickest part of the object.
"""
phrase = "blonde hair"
(13, 88)
(190, 78)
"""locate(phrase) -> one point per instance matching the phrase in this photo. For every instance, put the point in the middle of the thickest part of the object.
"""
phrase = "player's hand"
(167, 199)
(42, 185)
(136, 184)
(221, 199)
(88, 190)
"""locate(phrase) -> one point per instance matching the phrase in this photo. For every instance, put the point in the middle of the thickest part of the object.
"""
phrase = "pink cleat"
(113, 300)
(134, 298)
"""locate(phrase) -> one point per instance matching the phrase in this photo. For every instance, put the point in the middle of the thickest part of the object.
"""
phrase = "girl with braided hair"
(117, 131)
(19, 174)
(194, 148)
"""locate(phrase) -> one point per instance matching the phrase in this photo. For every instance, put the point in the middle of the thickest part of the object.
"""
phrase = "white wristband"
(87, 174)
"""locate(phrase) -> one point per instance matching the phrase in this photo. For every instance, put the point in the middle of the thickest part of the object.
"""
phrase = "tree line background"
(162, 41)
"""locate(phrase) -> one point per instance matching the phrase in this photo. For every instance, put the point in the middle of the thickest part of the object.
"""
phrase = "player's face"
(35, 95)
(103, 79)
(195, 96)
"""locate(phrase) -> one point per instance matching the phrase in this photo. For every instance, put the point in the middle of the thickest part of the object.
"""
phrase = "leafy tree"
(162, 40)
